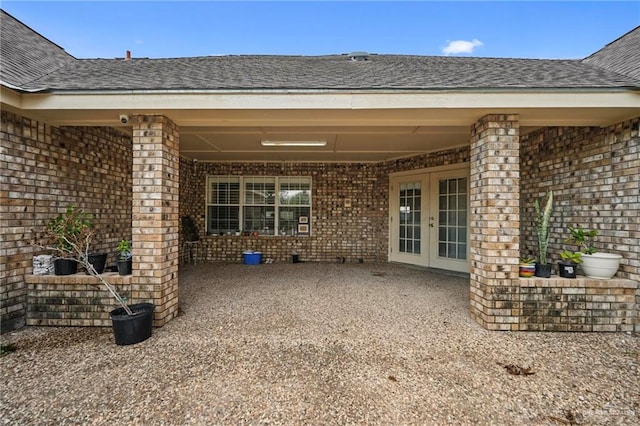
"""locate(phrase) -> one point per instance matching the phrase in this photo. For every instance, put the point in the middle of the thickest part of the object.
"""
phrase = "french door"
(429, 219)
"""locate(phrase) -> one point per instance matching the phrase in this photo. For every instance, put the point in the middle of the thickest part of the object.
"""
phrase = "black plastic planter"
(125, 267)
(65, 266)
(543, 271)
(567, 270)
(98, 260)
(131, 329)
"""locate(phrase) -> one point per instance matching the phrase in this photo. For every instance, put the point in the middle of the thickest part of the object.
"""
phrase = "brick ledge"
(579, 282)
(79, 278)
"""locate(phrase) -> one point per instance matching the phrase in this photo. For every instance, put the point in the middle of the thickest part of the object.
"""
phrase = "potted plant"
(69, 236)
(595, 264)
(125, 257)
(527, 267)
(542, 225)
(61, 232)
(567, 268)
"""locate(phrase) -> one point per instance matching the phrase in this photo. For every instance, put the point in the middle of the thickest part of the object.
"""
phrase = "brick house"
(431, 161)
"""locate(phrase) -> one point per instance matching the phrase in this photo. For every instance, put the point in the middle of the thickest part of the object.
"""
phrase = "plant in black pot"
(568, 266)
(125, 257)
(59, 235)
(542, 225)
(69, 236)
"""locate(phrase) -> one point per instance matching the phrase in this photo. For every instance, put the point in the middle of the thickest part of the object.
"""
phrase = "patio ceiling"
(358, 127)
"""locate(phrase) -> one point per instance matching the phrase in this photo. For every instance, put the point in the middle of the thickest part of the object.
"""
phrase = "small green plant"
(574, 257)
(543, 223)
(527, 260)
(124, 250)
(583, 238)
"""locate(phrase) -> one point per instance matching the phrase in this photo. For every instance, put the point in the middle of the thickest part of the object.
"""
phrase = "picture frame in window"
(303, 228)
(303, 219)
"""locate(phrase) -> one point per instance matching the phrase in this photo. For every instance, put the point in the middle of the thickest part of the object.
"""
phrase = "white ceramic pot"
(600, 265)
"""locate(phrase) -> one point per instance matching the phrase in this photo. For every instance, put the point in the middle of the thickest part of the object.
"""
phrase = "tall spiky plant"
(543, 223)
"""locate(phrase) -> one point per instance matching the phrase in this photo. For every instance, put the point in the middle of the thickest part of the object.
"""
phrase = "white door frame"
(429, 223)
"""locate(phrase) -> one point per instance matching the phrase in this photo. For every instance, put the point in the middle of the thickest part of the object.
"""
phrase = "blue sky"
(543, 29)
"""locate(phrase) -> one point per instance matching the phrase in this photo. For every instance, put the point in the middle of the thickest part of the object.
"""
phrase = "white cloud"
(461, 46)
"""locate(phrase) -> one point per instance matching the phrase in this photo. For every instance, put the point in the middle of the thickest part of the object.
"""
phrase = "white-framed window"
(268, 205)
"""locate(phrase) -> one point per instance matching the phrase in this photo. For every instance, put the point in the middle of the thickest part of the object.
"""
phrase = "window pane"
(290, 217)
(451, 234)
(224, 190)
(442, 202)
(223, 219)
(261, 219)
(453, 187)
(462, 251)
(259, 191)
(442, 233)
(295, 191)
(462, 235)
(452, 202)
(462, 201)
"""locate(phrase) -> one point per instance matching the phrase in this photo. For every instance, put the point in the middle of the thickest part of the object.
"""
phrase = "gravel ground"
(320, 344)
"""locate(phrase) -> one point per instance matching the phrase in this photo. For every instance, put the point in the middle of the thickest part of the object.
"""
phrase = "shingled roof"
(621, 55)
(335, 72)
(46, 67)
(25, 54)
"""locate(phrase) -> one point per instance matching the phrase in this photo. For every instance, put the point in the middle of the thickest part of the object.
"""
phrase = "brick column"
(495, 222)
(155, 215)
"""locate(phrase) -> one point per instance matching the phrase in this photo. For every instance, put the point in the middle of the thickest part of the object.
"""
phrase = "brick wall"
(43, 169)
(595, 177)
(582, 304)
(357, 232)
(73, 300)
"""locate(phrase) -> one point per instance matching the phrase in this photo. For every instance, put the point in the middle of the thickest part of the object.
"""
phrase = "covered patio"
(427, 161)
(320, 343)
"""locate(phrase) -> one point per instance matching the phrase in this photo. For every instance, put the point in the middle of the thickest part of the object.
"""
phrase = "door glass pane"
(410, 217)
(452, 215)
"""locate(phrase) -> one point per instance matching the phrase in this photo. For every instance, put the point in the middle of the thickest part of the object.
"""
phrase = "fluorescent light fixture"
(293, 143)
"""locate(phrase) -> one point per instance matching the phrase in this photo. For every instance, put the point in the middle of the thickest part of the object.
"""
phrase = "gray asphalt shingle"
(327, 72)
(34, 63)
(25, 55)
(621, 55)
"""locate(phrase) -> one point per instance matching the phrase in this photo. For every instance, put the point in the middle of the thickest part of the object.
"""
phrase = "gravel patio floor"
(319, 344)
